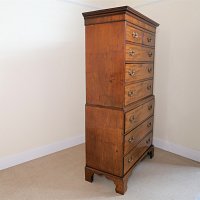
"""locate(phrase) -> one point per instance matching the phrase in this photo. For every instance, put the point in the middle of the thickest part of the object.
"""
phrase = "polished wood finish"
(134, 35)
(138, 115)
(137, 134)
(120, 182)
(137, 72)
(138, 103)
(124, 13)
(137, 152)
(104, 19)
(148, 39)
(137, 91)
(139, 23)
(137, 35)
(120, 47)
(104, 138)
(104, 61)
(139, 53)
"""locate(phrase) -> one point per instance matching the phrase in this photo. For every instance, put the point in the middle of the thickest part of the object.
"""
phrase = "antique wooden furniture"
(120, 48)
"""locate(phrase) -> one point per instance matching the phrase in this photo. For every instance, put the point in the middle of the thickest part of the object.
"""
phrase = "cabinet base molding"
(120, 182)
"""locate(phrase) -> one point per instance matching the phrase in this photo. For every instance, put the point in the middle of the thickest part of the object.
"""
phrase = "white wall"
(42, 74)
(177, 70)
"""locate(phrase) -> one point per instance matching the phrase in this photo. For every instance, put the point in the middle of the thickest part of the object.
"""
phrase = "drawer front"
(137, 91)
(139, 53)
(134, 35)
(137, 152)
(137, 134)
(136, 116)
(149, 39)
(136, 72)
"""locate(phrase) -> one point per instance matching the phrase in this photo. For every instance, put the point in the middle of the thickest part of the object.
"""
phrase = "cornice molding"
(118, 11)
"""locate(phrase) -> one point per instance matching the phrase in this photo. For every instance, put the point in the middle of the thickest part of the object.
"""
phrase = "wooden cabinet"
(120, 48)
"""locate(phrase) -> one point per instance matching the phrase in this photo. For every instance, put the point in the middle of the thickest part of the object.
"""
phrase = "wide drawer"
(148, 39)
(136, 72)
(137, 91)
(136, 116)
(136, 135)
(139, 53)
(134, 35)
(137, 152)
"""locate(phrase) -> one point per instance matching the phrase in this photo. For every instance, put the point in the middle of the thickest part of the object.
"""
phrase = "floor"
(60, 176)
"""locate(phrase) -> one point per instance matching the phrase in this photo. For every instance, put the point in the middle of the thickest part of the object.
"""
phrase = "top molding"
(118, 10)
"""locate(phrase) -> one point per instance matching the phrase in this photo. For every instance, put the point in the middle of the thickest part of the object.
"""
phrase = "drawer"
(137, 91)
(136, 116)
(134, 35)
(139, 53)
(137, 134)
(149, 39)
(136, 72)
(137, 152)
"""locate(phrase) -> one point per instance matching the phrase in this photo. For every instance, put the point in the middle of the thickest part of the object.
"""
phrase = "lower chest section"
(115, 139)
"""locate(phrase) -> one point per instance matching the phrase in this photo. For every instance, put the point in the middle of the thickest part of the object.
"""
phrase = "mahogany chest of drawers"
(120, 48)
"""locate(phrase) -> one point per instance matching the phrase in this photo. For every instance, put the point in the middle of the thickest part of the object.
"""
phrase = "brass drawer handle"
(149, 87)
(131, 72)
(135, 34)
(149, 39)
(149, 124)
(131, 93)
(150, 54)
(150, 107)
(130, 159)
(131, 52)
(131, 139)
(149, 70)
(148, 141)
(132, 118)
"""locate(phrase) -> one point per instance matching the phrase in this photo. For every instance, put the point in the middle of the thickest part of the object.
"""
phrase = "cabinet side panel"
(104, 139)
(105, 64)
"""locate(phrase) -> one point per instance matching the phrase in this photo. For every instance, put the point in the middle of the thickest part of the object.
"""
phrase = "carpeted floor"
(60, 176)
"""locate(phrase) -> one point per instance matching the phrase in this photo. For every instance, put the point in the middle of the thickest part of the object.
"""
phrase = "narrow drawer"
(136, 72)
(136, 135)
(137, 91)
(136, 116)
(139, 53)
(137, 152)
(149, 39)
(134, 35)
